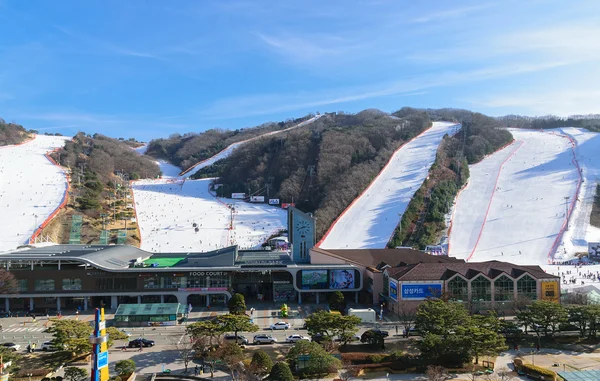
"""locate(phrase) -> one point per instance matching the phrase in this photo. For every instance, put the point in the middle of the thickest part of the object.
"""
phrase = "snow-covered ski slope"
(514, 207)
(166, 212)
(30, 186)
(371, 219)
(167, 209)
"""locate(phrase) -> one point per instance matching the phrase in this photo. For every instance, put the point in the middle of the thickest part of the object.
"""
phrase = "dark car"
(380, 332)
(319, 338)
(140, 342)
(238, 339)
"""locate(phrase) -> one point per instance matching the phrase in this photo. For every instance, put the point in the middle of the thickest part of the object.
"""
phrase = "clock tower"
(302, 234)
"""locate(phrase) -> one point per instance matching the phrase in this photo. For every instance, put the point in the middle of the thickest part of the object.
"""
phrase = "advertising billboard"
(285, 205)
(257, 198)
(421, 291)
(393, 290)
(273, 201)
(238, 195)
(341, 279)
(316, 279)
(550, 291)
(594, 250)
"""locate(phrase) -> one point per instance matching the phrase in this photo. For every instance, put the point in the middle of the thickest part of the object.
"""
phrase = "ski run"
(516, 204)
(31, 188)
(369, 222)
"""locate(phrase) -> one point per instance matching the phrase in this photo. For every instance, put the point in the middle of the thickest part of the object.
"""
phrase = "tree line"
(12, 133)
(186, 150)
(590, 122)
(424, 219)
(323, 166)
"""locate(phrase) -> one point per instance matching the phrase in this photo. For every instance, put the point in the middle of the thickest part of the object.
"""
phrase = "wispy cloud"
(262, 104)
(305, 48)
(450, 13)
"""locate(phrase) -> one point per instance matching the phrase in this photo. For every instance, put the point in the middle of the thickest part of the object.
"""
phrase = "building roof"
(580, 375)
(443, 271)
(392, 257)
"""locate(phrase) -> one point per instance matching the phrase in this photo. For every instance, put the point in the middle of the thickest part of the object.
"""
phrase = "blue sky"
(148, 69)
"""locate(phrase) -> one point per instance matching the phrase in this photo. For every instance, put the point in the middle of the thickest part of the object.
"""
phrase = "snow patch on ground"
(526, 205)
(371, 220)
(30, 186)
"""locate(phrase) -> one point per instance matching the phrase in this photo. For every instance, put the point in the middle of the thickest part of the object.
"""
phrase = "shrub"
(375, 359)
(537, 370)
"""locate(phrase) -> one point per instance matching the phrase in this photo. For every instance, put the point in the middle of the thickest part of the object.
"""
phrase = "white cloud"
(262, 104)
(450, 13)
(305, 48)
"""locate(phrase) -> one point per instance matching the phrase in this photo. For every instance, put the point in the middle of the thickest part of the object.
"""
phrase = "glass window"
(504, 288)
(219, 281)
(527, 286)
(481, 289)
(44, 284)
(458, 288)
(22, 285)
(71, 284)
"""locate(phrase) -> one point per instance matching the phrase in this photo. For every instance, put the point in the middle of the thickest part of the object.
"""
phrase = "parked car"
(319, 338)
(12, 346)
(296, 338)
(238, 339)
(382, 333)
(280, 325)
(143, 342)
(264, 339)
(48, 346)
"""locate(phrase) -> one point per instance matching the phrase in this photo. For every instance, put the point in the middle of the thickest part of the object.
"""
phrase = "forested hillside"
(94, 162)
(424, 219)
(321, 167)
(11, 133)
(591, 122)
(188, 149)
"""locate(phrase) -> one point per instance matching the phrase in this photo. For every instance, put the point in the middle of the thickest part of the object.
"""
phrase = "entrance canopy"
(154, 314)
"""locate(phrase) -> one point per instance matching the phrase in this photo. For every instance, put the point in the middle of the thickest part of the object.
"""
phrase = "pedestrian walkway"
(24, 329)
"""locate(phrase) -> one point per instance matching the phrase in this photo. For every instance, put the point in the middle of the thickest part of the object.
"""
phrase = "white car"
(296, 338)
(48, 346)
(280, 325)
(12, 346)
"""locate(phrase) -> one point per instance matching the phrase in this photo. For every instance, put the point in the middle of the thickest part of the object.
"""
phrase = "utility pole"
(103, 216)
(567, 210)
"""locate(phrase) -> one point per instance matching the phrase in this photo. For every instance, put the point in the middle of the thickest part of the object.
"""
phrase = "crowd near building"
(67, 277)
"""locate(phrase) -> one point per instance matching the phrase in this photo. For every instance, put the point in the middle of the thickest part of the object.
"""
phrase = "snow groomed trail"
(371, 219)
(513, 208)
(167, 208)
(30, 185)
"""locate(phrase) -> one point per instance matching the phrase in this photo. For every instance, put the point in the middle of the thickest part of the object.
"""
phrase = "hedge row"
(537, 370)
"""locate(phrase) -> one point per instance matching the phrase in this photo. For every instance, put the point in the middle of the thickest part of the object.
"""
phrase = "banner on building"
(550, 291)
(285, 205)
(273, 201)
(393, 290)
(594, 250)
(238, 195)
(421, 291)
(257, 198)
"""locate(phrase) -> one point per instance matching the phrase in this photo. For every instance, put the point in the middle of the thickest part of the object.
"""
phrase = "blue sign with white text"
(421, 291)
(102, 359)
(393, 291)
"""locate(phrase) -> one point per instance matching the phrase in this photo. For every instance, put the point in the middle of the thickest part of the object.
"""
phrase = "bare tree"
(504, 374)
(406, 316)
(348, 371)
(8, 283)
(437, 373)
(185, 349)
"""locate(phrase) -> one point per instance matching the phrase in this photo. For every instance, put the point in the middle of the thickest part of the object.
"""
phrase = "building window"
(527, 287)
(219, 281)
(71, 284)
(504, 288)
(44, 285)
(458, 289)
(481, 289)
(303, 250)
(22, 285)
(105, 284)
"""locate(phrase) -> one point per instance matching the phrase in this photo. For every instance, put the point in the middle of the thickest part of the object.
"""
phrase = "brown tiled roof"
(442, 271)
(392, 257)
